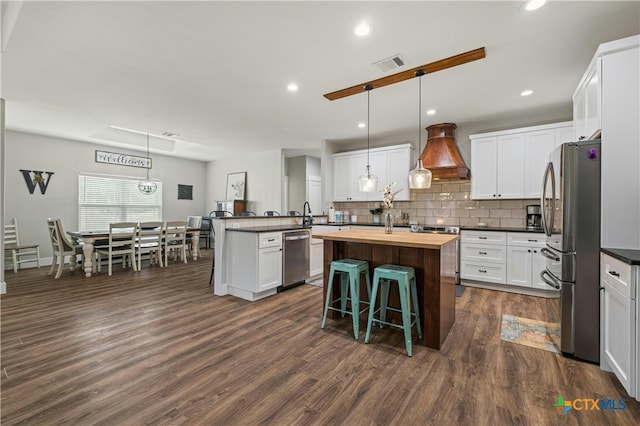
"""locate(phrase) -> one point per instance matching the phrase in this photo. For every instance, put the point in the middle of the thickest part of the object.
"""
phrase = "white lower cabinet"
(255, 263)
(510, 259)
(524, 260)
(316, 254)
(618, 321)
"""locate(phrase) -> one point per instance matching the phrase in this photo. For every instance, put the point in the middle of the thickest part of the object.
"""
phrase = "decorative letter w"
(36, 179)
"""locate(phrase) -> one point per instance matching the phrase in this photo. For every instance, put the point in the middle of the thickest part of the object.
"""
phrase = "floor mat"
(533, 333)
(317, 282)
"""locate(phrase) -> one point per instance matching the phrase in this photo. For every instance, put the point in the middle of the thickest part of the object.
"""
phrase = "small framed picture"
(185, 192)
(236, 183)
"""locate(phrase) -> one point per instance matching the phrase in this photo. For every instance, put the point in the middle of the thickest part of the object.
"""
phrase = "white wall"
(264, 180)
(67, 159)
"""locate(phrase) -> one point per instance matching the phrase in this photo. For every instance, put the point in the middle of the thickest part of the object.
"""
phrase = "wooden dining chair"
(122, 242)
(61, 247)
(20, 253)
(174, 235)
(149, 241)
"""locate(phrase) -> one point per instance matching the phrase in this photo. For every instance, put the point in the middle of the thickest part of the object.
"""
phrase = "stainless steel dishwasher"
(295, 266)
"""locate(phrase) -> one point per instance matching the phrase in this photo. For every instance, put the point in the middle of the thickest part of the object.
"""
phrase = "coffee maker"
(534, 217)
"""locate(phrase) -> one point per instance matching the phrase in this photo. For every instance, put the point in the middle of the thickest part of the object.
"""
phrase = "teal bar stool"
(350, 270)
(405, 276)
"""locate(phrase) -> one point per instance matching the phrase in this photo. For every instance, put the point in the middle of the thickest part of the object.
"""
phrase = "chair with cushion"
(271, 213)
(20, 253)
(220, 213)
(294, 213)
(61, 248)
(175, 234)
(205, 232)
(247, 213)
(149, 241)
(122, 242)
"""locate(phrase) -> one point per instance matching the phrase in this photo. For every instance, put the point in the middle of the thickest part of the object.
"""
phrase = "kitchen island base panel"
(435, 278)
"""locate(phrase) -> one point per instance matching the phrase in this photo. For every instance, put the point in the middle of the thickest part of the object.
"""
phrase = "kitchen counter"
(272, 228)
(629, 256)
(433, 256)
(480, 228)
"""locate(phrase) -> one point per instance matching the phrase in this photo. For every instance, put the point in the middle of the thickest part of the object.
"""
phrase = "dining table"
(88, 239)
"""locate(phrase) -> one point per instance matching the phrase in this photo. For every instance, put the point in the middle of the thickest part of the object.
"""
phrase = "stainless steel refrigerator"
(570, 203)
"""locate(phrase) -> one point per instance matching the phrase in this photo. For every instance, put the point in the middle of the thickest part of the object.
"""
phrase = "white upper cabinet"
(509, 164)
(389, 164)
(537, 147)
(587, 103)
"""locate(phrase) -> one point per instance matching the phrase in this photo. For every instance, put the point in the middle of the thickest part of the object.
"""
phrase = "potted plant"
(376, 214)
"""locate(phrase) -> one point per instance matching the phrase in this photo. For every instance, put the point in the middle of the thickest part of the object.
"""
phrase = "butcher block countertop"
(401, 239)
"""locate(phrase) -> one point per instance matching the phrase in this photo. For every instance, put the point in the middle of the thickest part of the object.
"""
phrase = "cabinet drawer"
(483, 253)
(528, 239)
(271, 239)
(485, 237)
(618, 275)
(493, 272)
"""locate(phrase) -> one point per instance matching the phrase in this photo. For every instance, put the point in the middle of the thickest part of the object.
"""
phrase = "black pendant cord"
(147, 157)
(368, 88)
(419, 74)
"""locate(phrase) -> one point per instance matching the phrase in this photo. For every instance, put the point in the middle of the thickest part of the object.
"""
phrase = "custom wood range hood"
(441, 154)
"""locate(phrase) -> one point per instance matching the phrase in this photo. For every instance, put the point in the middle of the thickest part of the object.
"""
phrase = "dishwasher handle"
(296, 237)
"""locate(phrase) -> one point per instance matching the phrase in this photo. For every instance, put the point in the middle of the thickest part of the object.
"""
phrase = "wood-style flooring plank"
(157, 347)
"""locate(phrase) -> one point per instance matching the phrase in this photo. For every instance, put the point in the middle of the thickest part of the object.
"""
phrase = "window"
(107, 199)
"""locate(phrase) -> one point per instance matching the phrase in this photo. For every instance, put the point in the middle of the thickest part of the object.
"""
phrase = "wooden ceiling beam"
(442, 64)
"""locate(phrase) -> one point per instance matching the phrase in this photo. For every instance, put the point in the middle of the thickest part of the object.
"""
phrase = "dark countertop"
(632, 257)
(480, 228)
(273, 228)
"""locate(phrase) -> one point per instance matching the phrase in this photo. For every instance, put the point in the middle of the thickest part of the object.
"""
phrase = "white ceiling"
(216, 72)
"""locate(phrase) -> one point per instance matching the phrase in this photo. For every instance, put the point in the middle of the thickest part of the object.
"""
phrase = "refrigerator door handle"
(548, 224)
(549, 254)
(551, 281)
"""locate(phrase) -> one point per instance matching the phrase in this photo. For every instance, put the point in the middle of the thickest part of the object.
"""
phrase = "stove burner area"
(435, 229)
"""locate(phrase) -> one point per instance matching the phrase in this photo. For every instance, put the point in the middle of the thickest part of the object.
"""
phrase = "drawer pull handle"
(482, 238)
(614, 273)
(482, 252)
(482, 270)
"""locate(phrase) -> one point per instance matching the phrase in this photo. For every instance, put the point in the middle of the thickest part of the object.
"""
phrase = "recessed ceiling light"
(526, 92)
(362, 30)
(362, 125)
(535, 4)
(292, 87)
(431, 111)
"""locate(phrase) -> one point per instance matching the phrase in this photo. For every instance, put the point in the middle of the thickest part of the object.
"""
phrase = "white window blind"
(108, 199)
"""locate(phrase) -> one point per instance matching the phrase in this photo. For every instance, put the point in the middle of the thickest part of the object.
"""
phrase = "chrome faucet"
(306, 220)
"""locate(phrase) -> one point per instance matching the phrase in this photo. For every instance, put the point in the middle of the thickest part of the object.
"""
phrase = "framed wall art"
(236, 184)
(185, 192)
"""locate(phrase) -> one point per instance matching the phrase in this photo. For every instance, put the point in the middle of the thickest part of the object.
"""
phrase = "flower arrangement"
(388, 195)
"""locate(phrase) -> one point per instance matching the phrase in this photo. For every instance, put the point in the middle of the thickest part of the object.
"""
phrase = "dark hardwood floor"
(157, 347)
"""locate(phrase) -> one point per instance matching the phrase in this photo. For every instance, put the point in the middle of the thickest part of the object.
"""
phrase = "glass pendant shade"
(147, 186)
(420, 178)
(368, 182)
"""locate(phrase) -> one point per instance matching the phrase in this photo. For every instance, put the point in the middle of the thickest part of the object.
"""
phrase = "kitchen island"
(433, 257)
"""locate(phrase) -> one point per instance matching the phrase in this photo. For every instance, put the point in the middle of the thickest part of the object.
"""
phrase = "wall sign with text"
(122, 159)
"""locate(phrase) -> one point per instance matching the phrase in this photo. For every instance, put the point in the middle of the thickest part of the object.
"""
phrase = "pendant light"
(147, 186)
(420, 178)
(368, 182)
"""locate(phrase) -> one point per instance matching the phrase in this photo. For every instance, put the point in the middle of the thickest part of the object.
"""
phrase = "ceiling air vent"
(391, 63)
